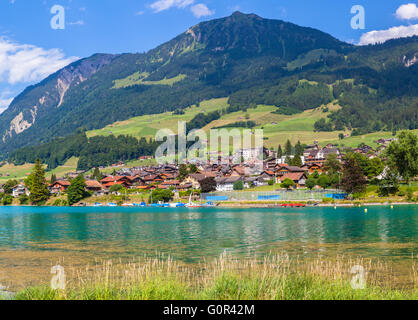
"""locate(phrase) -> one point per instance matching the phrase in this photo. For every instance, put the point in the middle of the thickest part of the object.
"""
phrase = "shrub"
(24, 199)
(239, 185)
(327, 200)
(7, 200)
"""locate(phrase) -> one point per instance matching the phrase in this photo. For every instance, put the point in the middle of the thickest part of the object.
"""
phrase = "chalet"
(282, 160)
(170, 184)
(20, 190)
(168, 176)
(270, 163)
(94, 186)
(114, 180)
(195, 179)
(136, 180)
(364, 149)
(282, 170)
(238, 171)
(152, 178)
(314, 167)
(185, 187)
(299, 178)
(227, 184)
(73, 175)
(268, 174)
(59, 186)
(256, 181)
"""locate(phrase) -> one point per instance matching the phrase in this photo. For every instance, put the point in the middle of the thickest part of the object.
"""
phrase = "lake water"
(33, 239)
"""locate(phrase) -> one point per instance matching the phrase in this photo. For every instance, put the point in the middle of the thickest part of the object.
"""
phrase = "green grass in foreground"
(275, 278)
(226, 287)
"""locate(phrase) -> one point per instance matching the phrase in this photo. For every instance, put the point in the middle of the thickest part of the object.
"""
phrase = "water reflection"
(194, 234)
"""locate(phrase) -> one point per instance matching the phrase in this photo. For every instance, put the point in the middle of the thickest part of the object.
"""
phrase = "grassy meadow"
(277, 277)
(10, 171)
(277, 128)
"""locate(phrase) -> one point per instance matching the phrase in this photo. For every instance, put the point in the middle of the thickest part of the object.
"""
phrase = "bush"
(239, 185)
(7, 200)
(270, 182)
(160, 195)
(401, 193)
(327, 200)
(358, 195)
(115, 188)
(409, 194)
(24, 199)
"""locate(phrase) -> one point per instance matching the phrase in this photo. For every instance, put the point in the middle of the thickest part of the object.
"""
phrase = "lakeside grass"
(276, 277)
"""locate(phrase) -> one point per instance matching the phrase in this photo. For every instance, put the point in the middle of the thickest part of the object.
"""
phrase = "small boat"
(112, 204)
(191, 204)
(127, 205)
(98, 204)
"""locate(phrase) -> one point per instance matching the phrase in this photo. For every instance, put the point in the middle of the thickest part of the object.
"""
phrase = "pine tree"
(279, 152)
(297, 161)
(38, 188)
(288, 148)
(298, 149)
(97, 174)
(53, 178)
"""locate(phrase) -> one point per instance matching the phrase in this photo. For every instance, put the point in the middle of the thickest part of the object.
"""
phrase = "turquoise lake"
(191, 234)
(34, 239)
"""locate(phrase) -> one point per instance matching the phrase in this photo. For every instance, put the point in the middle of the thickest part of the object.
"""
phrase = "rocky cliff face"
(35, 101)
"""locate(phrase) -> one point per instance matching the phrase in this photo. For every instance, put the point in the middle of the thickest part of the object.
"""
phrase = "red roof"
(109, 184)
(93, 184)
(63, 183)
(112, 179)
(295, 176)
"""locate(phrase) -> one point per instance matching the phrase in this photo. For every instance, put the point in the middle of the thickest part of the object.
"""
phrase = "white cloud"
(381, 36)
(407, 12)
(24, 63)
(76, 23)
(162, 5)
(200, 10)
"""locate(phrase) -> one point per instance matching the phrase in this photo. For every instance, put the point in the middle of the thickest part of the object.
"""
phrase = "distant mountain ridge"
(245, 57)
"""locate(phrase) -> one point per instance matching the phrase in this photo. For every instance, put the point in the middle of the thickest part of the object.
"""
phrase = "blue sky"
(30, 49)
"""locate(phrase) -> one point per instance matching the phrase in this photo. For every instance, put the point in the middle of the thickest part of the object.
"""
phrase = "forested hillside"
(251, 60)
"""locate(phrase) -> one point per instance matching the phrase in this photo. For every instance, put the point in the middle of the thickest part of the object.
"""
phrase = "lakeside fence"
(282, 195)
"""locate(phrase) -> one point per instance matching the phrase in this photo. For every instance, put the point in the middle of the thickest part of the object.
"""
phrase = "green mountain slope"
(251, 60)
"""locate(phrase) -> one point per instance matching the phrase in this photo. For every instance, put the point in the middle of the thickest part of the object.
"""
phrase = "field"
(138, 78)
(369, 139)
(10, 171)
(148, 125)
(277, 128)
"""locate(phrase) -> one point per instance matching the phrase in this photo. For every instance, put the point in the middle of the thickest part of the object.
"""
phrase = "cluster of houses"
(225, 174)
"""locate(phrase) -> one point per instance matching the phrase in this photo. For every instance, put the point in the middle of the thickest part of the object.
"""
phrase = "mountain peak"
(239, 14)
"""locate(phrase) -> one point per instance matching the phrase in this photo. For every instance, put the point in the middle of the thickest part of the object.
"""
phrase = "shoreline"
(238, 205)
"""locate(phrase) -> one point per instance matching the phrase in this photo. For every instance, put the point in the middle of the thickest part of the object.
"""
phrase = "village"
(214, 181)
